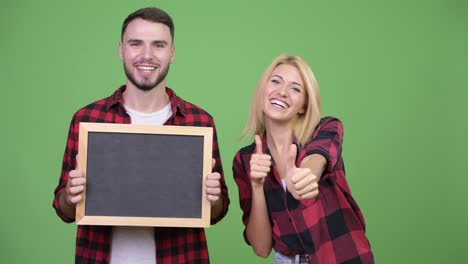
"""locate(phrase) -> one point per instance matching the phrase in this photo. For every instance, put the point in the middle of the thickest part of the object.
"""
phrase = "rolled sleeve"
(219, 168)
(68, 163)
(327, 141)
(242, 180)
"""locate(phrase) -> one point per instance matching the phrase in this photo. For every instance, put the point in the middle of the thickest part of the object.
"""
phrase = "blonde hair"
(305, 123)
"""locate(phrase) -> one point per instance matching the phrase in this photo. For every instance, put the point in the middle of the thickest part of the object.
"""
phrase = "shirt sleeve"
(219, 168)
(327, 141)
(242, 179)
(68, 164)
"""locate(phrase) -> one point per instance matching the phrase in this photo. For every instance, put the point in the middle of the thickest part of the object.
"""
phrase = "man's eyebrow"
(160, 42)
(133, 40)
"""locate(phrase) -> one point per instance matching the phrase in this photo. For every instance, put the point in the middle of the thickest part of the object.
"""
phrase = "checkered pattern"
(173, 245)
(329, 228)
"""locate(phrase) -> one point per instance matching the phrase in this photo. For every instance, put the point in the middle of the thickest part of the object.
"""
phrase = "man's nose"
(147, 53)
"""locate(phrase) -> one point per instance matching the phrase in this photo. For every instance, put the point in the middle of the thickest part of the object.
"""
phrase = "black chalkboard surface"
(140, 175)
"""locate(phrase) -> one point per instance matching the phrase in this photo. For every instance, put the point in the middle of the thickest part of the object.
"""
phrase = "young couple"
(291, 180)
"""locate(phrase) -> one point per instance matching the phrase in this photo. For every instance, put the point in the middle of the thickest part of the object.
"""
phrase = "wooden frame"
(206, 134)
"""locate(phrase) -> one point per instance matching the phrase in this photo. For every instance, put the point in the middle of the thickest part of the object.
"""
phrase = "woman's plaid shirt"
(329, 228)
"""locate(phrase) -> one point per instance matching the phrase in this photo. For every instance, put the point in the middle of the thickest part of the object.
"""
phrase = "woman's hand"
(301, 182)
(259, 164)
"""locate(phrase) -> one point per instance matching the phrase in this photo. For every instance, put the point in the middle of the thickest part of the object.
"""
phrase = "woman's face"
(284, 94)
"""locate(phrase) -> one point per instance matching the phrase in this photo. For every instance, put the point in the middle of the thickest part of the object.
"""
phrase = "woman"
(291, 180)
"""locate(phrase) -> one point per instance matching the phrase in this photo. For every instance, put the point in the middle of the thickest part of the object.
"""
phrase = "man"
(147, 50)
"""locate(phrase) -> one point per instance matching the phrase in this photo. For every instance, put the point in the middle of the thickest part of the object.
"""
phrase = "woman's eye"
(295, 89)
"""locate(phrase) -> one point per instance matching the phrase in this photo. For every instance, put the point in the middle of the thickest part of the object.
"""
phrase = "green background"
(395, 73)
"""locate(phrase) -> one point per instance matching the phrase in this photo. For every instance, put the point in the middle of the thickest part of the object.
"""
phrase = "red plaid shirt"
(329, 228)
(173, 245)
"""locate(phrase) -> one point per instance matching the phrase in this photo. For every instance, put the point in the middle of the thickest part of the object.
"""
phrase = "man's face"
(146, 51)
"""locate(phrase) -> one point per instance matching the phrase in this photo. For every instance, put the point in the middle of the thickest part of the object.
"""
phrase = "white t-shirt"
(283, 181)
(155, 118)
(131, 244)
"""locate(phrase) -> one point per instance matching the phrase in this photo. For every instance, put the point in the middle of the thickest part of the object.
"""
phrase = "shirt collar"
(266, 150)
(177, 104)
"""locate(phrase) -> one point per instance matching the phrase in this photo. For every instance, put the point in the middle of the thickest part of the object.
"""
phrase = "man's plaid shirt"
(173, 245)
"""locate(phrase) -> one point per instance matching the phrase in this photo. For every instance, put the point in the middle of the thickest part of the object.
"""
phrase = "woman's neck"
(279, 136)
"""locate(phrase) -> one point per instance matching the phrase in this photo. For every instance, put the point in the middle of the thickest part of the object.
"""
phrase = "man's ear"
(173, 54)
(120, 51)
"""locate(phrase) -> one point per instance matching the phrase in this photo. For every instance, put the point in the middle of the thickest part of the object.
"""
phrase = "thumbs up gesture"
(75, 187)
(259, 164)
(301, 182)
(213, 185)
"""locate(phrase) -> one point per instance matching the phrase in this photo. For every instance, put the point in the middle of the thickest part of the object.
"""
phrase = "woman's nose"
(283, 92)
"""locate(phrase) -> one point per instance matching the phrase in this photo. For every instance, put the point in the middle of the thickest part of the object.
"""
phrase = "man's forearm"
(217, 208)
(67, 210)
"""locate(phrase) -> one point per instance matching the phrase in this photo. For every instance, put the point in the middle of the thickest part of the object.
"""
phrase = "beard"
(147, 84)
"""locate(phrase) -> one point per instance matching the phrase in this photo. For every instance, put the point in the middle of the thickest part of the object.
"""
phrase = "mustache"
(148, 62)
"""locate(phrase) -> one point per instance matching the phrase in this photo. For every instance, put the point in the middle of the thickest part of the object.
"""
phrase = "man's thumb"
(258, 145)
(76, 160)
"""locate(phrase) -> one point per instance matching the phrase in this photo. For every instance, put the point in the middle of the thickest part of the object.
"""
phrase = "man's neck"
(146, 101)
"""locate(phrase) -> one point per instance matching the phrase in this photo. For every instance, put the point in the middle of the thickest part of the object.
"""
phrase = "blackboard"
(142, 175)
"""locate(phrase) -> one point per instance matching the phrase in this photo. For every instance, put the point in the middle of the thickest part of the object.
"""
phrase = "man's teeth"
(146, 68)
(279, 103)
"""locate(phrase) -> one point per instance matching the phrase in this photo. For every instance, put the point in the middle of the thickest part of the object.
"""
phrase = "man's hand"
(301, 182)
(213, 186)
(74, 188)
(259, 164)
